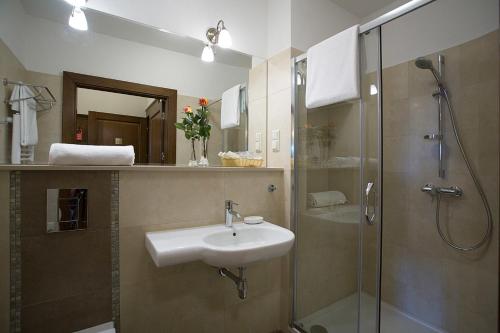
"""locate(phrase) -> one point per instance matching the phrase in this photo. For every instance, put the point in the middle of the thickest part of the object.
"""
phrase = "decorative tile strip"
(15, 251)
(115, 249)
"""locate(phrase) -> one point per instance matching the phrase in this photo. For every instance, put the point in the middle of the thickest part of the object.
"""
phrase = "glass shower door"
(336, 255)
(370, 224)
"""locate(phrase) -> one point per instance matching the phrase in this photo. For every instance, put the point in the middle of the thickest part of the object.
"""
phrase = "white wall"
(48, 47)
(315, 20)
(108, 102)
(279, 25)
(246, 20)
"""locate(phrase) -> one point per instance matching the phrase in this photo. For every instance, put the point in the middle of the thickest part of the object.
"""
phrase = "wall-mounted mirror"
(125, 83)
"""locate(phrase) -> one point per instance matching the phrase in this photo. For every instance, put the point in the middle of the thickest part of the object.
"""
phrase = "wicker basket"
(241, 162)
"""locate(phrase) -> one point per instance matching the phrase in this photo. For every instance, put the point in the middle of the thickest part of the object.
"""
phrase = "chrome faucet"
(230, 213)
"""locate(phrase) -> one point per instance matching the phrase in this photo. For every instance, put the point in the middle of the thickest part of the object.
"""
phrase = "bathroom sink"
(219, 245)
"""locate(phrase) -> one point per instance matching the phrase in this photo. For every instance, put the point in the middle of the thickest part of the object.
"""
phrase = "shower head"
(424, 63)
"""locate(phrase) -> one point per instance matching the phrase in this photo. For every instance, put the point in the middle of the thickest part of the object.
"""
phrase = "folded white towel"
(68, 154)
(22, 101)
(230, 108)
(324, 199)
(333, 69)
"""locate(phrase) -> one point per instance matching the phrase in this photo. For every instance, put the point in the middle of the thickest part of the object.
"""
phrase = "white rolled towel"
(324, 199)
(69, 154)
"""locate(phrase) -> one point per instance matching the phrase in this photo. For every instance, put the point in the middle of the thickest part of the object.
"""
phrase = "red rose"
(203, 101)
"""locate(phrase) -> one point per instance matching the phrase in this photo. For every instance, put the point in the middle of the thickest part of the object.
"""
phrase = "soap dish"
(253, 220)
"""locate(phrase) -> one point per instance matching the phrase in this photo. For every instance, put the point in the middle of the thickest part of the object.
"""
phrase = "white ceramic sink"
(218, 246)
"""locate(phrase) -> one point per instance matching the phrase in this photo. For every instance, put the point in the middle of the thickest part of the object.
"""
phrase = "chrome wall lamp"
(77, 19)
(216, 36)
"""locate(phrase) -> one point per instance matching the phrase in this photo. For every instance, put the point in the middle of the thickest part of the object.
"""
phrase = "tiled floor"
(341, 317)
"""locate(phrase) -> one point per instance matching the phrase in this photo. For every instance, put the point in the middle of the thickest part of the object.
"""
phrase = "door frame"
(73, 81)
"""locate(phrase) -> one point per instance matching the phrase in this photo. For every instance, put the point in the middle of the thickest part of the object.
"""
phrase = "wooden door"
(156, 131)
(114, 129)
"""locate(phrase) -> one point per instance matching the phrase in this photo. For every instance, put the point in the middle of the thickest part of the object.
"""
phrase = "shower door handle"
(370, 218)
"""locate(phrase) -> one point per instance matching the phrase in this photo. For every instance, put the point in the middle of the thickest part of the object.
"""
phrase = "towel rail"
(243, 87)
(46, 103)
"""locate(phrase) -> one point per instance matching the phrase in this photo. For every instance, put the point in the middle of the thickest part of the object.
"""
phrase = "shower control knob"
(453, 191)
(429, 188)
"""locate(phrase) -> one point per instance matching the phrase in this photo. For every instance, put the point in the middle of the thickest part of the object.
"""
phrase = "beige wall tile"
(279, 72)
(421, 275)
(279, 118)
(396, 82)
(257, 82)
(192, 297)
(165, 198)
(249, 189)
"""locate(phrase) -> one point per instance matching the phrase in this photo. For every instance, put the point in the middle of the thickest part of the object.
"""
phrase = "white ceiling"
(362, 8)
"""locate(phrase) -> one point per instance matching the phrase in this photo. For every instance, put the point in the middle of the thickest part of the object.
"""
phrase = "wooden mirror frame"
(73, 81)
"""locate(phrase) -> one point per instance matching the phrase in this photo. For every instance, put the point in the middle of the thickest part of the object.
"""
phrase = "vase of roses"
(204, 130)
(191, 132)
(196, 127)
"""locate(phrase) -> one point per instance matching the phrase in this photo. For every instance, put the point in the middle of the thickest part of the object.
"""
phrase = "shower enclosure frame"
(374, 25)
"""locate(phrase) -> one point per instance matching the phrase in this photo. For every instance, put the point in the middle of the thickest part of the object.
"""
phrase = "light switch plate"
(275, 140)
(258, 142)
(275, 135)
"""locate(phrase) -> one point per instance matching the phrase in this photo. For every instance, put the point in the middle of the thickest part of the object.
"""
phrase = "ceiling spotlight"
(208, 54)
(77, 19)
(217, 36)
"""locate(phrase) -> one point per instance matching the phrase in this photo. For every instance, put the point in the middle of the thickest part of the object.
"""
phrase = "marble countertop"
(137, 167)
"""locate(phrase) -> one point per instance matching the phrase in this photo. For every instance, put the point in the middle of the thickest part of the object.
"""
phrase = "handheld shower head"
(424, 63)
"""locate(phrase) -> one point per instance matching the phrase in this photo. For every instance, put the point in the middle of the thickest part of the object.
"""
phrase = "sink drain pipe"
(239, 280)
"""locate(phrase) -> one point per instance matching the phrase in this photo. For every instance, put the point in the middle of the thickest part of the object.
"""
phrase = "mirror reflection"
(66, 209)
(121, 83)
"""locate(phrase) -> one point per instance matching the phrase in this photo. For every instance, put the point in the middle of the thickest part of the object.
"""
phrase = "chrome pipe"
(440, 70)
(239, 280)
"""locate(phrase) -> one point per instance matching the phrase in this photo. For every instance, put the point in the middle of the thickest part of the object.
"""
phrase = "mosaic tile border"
(15, 251)
(115, 249)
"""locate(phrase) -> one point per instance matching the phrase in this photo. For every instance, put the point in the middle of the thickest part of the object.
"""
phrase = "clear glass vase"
(204, 153)
(192, 161)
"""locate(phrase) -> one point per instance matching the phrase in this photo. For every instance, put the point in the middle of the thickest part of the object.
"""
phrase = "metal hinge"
(162, 156)
(163, 116)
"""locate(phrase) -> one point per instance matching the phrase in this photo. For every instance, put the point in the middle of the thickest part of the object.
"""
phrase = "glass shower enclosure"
(337, 150)
(392, 249)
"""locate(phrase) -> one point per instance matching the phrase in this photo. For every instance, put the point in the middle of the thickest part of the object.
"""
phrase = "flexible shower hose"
(479, 188)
